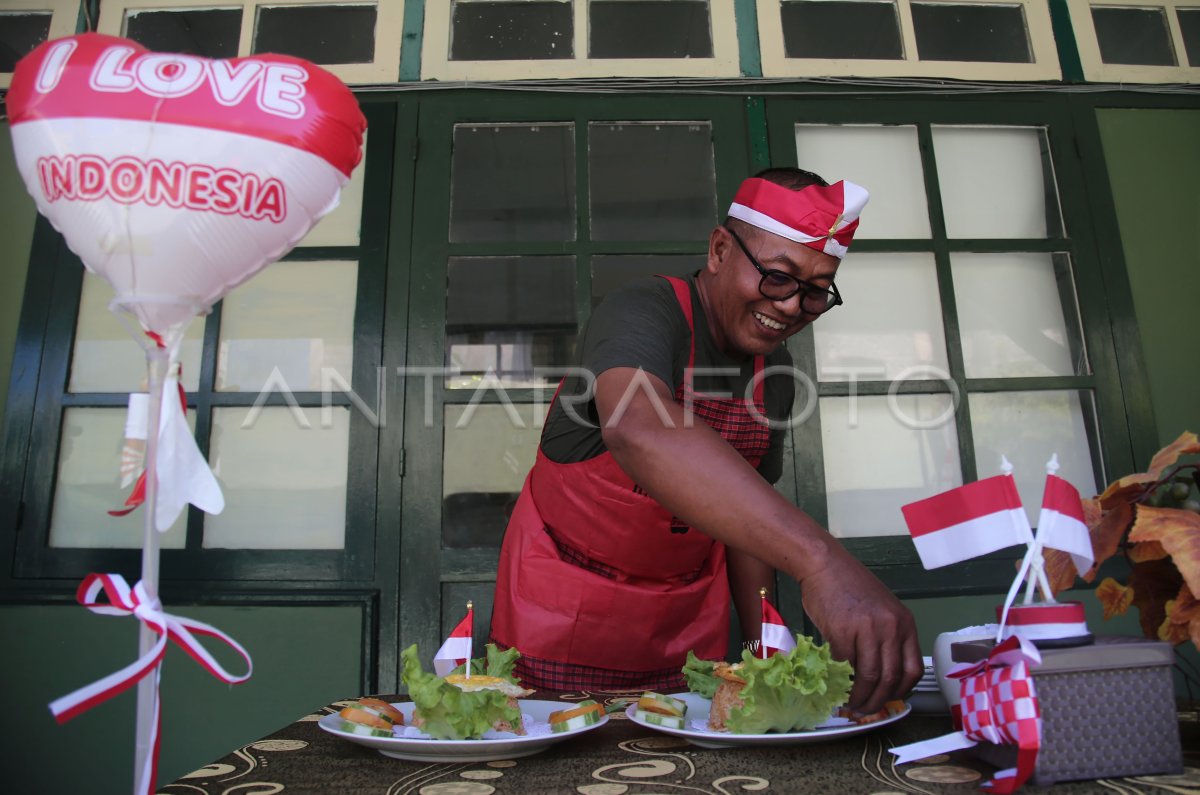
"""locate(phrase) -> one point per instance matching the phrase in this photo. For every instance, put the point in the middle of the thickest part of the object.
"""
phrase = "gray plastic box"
(1108, 710)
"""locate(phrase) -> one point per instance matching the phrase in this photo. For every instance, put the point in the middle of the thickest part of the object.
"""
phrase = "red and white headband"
(822, 218)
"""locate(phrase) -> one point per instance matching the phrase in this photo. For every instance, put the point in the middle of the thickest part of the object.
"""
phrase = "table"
(623, 758)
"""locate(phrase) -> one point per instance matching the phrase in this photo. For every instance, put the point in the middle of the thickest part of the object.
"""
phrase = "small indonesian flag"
(968, 521)
(1061, 525)
(775, 634)
(457, 648)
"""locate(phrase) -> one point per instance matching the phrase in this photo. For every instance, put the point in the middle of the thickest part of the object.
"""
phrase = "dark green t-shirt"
(642, 325)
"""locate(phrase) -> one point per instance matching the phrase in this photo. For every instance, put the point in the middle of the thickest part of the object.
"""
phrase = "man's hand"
(867, 625)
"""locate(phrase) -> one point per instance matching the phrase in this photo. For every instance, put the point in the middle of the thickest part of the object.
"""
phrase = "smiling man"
(651, 503)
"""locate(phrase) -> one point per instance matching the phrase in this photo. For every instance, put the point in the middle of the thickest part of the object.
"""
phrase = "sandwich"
(461, 707)
(370, 717)
(796, 691)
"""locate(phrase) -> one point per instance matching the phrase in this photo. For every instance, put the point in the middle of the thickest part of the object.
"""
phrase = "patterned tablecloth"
(623, 758)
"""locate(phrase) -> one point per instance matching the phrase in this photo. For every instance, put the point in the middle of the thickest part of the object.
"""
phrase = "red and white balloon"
(176, 177)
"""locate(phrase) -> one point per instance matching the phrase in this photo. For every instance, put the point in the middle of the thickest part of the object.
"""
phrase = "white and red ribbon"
(123, 600)
(1053, 621)
(999, 705)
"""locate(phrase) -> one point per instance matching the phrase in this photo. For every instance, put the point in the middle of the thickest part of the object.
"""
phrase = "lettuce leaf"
(449, 713)
(699, 675)
(790, 692)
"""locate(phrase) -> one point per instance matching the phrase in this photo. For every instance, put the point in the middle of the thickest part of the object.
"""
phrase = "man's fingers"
(867, 677)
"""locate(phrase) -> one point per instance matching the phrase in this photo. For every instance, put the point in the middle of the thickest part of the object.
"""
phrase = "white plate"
(698, 712)
(505, 746)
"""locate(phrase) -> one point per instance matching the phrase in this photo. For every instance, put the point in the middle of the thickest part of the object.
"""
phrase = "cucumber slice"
(657, 702)
(363, 731)
(655, 719)
(577, 722)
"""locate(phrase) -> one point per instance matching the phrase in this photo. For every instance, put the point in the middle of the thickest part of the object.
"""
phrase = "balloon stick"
(147, 692)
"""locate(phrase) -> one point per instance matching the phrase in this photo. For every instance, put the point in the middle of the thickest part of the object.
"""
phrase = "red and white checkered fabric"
(999, 705)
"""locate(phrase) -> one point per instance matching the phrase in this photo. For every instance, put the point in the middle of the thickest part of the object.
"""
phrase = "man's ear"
(720, 243)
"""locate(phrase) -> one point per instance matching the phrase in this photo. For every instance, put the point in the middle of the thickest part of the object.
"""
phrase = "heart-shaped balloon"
(176, 177)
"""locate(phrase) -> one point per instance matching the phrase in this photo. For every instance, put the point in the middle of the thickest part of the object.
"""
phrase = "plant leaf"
(1108, 533)
(1187, 606)
(1153, 583)
(1147, 550)
(1179, 533)
(1115, 597)
(1060, 569)
(1170, 631)
(1130, 487)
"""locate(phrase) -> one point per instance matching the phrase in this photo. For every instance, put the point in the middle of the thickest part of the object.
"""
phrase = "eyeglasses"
(779, 286)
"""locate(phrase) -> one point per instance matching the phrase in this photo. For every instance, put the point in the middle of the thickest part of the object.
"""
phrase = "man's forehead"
(782, 251)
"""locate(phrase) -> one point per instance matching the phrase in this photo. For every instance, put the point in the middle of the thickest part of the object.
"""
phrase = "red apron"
(594, 572)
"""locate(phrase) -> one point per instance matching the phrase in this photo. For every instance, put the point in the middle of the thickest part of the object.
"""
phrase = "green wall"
(1153, 161)
(16, 230)
(304, 657)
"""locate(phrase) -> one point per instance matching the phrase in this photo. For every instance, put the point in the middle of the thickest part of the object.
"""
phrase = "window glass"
(1189, 27)
(651, 180)
(1017, 315)
(290, 328)
(882, 452)
(1028, 428)
(996, 182)
(649, 29)
(891, 324)
(283, 473)
(503, 30)
(90, 484)
(1133, 36)
(512, 182)
(610, 271)
(106, 358)
(488, 450)
(514, 316)
(975, 32)
(323, 34)
(21, 32)
(865, 30)
(884, 160)
(209, 33)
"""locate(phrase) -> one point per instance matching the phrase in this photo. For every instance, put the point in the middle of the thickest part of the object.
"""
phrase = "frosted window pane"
(1028, 428)
(283, 471)
(89, 485)
(891, 321)
(341, 226)
(326, 34)
(1133, 36)
(209, 33)
(512, 182)
(286, 326)
(884, 160)
(511, 315)
(995, 182)
(488, 452)
(1016, 313)
(107, 359)
(651, 180)
(20, 32)
(882, 453)
(610, 271)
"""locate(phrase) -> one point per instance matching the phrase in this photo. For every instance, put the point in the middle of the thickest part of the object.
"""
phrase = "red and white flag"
(457, 649)
(1061, 524)
(775, 634)
(968, 521)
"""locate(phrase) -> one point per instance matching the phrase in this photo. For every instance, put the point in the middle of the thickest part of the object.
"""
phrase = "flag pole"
(471, 618)
(762, 647)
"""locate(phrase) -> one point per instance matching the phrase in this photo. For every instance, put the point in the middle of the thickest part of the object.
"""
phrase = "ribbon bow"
(1000, 706)
(123, 600)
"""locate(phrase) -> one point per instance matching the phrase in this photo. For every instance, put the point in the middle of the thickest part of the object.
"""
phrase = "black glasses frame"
(788, 285)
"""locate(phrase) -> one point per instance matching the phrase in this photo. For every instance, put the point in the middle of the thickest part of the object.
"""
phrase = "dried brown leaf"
(1108, 533)
(1147, 550)
(1153, 583)
(1115, 597)
(1170, 631)
(1186, 607)
(1132, 486)
(1179, 533)
(1059, 568)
